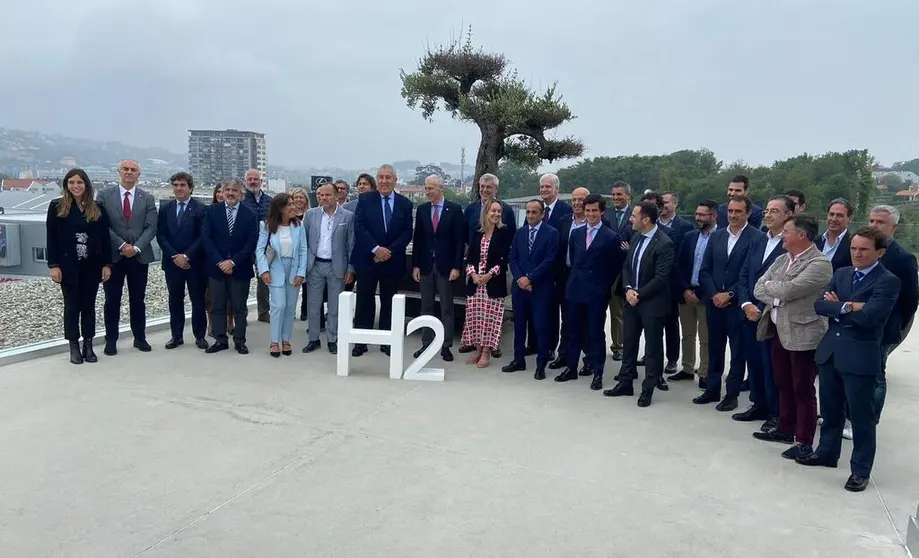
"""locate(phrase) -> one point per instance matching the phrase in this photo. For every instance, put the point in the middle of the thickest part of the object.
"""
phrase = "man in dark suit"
(618, 217)
(646, 278)
(132, 218)
(382, 231)
(437, 258)
(739, 186)
(531, 260)
(178, 233)
(764, 395)
(596, 258)
(719, 284)
(858, 301)
(902, 263)
(257, 201)
(799, 198)
(835, 241)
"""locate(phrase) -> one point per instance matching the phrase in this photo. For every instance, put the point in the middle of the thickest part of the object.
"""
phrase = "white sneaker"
(847, 430)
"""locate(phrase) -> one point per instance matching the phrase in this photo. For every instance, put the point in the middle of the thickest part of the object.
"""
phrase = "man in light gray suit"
(330, 238)
(132, 217)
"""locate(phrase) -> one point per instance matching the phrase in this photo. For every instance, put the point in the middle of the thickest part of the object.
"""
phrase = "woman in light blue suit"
(281, 259)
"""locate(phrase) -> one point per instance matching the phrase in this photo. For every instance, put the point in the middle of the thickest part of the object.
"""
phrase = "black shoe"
(680, 376)
(616, 378)
(358, 350)
(622, 389)
(303, 317)
(530, 351)
(142, 345)
(662, 384)
(242, 349)
(217, 347)
(557, 364)
(446, 354)
(88, 354)
(670, 368)
(76, 357)
(174, 342)
(111, 348)
(597, 383)
(745, 385)
(644, 400)
(385, 350)
(540, 372)
(287, 352)
(751, 414)
(311, 346)
(617, 355)
(797, 451)
(466, 349)
(274, 354)
(774, 436)
(567, 374)
(496, 353)
(770, 424)
(729, 403)
(703, 383)
(586, 371)
(419, 351)
(514, 366)
(201, 344)
(707, 397)
(641, 362)
(815, 460)
(333, 348)
(856, 483)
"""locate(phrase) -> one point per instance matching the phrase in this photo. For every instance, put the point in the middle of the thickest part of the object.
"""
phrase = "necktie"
(181, 212)
(231, 219)
(545, 216)
(619, 214)
(435, 219)
(590, 235)
(635, 258)
(856, 278)
(387, 212)
(532, 238)
(126, 207)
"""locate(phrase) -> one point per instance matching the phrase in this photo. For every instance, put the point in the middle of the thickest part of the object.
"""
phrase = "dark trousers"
(80, 288)
(224, 291)
(672, 333)
(634, 323)
(836, 389)
(758, 355)
(880, 385)
(135, 273)
(723, 328)
(176, 282)
(436, 284)
(366, 307)
(261, 298)
(585, 332)
(560, 284)
(531, 309)
(795, 373)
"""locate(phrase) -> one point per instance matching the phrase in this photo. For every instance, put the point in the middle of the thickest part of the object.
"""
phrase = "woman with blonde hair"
(79, 253)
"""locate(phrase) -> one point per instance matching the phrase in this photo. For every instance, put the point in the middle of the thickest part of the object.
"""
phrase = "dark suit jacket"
(370, 232)
(653, 283)
(537, 264)
(753, 268)
(473, 213)
(903, 265)
(853, 339)
(684, 261)
(498, 253)
(448, 242)
(843, 256)
(720, 272)
(593, 270)
(624, 230)
(677, 231)
(755, 220)
(219, 244)
(561, 209)
(174, 238)
(564, 233)
(61, 241)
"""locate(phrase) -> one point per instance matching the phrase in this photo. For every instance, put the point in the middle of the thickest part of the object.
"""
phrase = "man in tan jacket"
(794, 281)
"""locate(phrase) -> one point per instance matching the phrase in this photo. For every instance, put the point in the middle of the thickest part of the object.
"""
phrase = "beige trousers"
(693, 320)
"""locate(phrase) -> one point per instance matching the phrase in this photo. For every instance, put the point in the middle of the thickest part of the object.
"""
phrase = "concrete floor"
(181, 454)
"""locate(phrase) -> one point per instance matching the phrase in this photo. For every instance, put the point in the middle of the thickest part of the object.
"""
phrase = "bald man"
(258, 201)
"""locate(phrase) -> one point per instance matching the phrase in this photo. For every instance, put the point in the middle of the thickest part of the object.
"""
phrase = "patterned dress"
(484, 315)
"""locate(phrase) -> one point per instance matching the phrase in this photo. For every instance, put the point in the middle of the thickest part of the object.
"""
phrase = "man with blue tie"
(382, 231)
(178, 233)
(532, 260)
(858, 302)
(618, 216)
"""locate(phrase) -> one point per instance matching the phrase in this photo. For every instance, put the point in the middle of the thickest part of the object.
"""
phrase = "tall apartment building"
(216, 155)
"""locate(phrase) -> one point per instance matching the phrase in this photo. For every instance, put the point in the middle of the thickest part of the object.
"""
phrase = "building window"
(39, 254)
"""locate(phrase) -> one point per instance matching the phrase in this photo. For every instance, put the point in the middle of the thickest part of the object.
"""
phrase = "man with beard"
(258, 203)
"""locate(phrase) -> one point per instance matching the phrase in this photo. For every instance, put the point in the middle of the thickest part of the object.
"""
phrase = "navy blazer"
(654, 284)
(555, 216)
(843, 255)
(720, 272)
(448, 242)
(677, 230)
(903, 265)
(537, 264)
(624, 230)
(473, 213)
(754, 268)
(220, 245)
(564, 233)
(755, 220)
(685, 259)
(370, 232)
(593, 270)
(185, 238)
(853, 340)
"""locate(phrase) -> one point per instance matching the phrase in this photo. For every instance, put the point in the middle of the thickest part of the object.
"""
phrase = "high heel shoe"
(285, 349)
(88, 354)
(273, 350)
(474, 357)
(76, 357)
(483, 360)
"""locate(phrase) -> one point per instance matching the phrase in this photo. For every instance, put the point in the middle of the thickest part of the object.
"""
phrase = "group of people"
(790, 303)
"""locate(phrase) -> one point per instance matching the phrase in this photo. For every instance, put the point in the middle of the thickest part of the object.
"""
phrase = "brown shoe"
(474, 357)
(483, 360)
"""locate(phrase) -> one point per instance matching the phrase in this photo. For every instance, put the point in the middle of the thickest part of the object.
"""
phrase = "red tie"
(127, 206)
(436, 218)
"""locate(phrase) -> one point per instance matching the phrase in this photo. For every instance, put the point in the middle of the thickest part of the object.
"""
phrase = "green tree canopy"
(424, 171)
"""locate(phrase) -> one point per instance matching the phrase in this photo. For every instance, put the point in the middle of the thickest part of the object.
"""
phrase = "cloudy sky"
(752, 80)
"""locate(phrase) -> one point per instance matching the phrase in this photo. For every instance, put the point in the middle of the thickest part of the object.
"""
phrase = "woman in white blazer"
(280, 256)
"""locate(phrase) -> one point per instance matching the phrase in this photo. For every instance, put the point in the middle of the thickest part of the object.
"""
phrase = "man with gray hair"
(258, 202)
(618, 218)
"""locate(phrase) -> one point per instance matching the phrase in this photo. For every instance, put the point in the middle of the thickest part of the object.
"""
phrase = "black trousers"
(837, 389)
(586, 333)
(634, 323)
(177, 280)
(135, 274)
(672, 333)
(80, 288)
(229, 291)
(436, 284)
(560, 283)
(367, 282)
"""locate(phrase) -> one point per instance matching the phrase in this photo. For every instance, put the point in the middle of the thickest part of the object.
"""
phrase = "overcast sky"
(752, 80)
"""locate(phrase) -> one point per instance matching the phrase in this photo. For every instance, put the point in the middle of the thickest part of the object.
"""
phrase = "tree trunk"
(490, 151)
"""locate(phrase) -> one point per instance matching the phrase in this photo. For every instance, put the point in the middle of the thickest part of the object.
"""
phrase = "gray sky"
(754, 80)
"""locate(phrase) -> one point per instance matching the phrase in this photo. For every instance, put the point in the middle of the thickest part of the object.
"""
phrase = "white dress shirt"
(829, 250)
(641, 254)
(324, 250)
(771, 243)
(733, 238)
(285, 242)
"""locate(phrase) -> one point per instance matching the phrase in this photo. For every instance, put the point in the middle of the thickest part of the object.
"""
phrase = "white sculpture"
(394, 337)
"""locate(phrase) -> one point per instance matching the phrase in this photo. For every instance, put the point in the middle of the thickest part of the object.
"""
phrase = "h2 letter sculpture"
(394, 337)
